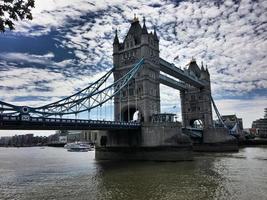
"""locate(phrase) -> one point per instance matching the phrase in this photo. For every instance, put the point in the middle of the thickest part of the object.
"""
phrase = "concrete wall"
(163, 134)
(155, 141)
(120, 138)
(150, 135)
(217, 135)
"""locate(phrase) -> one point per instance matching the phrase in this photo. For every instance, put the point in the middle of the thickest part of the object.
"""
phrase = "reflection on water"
(54, 173)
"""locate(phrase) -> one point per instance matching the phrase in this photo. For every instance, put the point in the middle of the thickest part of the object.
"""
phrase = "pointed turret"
(134, 33)
(207, 70)
(116, 47)
(202, 67)
(155, 34)
(144, 29)
(116, 39)
(193, 67)
(203, 73)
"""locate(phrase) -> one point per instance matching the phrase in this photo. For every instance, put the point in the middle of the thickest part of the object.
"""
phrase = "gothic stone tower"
(143, 92)
(195, 102)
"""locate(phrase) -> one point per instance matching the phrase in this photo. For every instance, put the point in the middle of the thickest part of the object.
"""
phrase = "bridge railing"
(64, 120)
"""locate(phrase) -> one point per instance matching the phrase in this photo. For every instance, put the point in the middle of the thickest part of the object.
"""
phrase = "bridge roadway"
(41, 123)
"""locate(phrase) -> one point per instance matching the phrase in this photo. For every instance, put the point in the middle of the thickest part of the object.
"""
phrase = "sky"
(68, 44)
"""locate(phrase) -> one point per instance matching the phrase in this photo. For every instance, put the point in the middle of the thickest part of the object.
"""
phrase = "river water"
(54, 173)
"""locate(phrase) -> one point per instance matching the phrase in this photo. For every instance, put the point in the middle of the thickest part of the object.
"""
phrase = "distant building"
(85, 136)
(74, 136)
(261, 125)
(233, 123)
(27, 140)
(63, 139)
(90, 135)
(5, 141)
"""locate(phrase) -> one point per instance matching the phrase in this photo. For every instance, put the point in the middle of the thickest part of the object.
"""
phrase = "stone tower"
(195, 102)
(142, 92)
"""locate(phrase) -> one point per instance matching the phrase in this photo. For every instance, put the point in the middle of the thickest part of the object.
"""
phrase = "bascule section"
(142, 92)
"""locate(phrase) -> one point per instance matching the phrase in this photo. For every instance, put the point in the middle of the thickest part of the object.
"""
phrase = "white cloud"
(230, 38)
(18, 57)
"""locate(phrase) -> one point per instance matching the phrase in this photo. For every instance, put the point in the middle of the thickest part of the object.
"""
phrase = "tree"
(14, 10)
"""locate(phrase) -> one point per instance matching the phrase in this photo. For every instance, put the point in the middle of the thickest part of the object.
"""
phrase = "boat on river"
(78, 147)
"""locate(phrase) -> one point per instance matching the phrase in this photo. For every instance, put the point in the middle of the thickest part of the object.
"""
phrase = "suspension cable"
(88, 109)
(120, 105)
(128, 101)
(66, 106)
(217, 112)
(135, 85)
(105, 105)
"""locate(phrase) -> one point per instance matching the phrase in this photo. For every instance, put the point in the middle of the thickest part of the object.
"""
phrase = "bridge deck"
(180, 74)
(40, 123)
(172, 83)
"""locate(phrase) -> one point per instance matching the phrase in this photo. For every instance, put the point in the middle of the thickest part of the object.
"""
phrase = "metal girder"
(40, 123)
(218, 113)
(90, 97)
(165, 80)
(178, 73)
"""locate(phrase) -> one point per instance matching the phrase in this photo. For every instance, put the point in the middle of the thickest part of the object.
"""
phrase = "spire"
(135, 19)
(155, 34)
(193, 60)
(116, 39)
(202, 67)
(144, 29)
(207, 70)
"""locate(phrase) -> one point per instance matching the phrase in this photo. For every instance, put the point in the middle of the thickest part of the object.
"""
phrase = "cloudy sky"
(69, 43)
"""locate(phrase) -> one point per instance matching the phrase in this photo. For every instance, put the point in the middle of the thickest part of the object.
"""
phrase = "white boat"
(78, 146)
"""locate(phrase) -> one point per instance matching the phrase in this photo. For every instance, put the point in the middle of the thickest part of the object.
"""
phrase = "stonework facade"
(196, 102)
(142, 92)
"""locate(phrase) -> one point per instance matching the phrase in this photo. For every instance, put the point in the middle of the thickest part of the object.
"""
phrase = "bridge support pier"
(155, 141)
(217, 140)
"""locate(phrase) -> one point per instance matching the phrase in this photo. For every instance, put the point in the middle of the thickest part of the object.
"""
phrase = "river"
(53, 173)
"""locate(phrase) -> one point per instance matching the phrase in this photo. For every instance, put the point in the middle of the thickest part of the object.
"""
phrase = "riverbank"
(253, 142)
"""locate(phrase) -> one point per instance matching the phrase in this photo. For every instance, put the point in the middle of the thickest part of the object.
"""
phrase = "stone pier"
(217, 140)
(156, 142)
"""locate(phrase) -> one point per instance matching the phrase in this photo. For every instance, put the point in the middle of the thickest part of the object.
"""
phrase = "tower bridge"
(138, 72)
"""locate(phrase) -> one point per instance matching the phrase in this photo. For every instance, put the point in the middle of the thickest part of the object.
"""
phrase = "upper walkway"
(180, 74)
